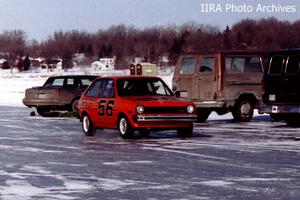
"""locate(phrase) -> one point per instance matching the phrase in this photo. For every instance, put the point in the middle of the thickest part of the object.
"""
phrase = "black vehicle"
(58, 93)
(282, 86)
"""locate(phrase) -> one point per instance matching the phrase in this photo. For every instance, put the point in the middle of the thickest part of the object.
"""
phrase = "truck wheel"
(87, 126)
(202, 115)
(185, 132)
(277, 117)
(125, 129)
(293, 120)
(42, 111)
(243, 110)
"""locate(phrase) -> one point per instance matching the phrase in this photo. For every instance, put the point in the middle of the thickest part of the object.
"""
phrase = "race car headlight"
(190, 109)
(140, 109)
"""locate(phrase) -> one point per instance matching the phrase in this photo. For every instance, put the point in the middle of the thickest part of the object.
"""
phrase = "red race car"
(130, 103)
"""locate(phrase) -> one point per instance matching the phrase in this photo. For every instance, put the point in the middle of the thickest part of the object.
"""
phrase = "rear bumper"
(37, 103)
(279, 108)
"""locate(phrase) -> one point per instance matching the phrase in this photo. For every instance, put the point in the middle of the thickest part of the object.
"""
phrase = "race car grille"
(158, 110)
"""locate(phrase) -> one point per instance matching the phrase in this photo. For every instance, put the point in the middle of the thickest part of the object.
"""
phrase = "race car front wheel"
(124, 127)
(87, 126)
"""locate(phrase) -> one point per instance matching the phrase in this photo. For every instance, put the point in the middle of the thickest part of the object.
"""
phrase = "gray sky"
(40, 18)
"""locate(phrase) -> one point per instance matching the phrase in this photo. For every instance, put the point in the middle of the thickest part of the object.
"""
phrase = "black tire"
(293, 120)
(243, 110)
(74, 105)
(88, 127)
(185, 132)
(42, 111)
(125, 129)
(277, 117)
(202, 115)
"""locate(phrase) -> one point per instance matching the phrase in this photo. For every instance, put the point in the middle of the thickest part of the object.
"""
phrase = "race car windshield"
(142, 87)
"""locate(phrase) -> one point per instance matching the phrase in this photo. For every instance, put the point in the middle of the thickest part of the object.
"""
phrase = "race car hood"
(160, 100)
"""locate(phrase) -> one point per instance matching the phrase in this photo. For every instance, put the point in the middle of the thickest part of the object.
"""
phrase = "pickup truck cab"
(224, 81)
(281, 81)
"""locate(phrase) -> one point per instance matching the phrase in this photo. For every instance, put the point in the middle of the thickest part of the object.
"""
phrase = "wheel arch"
(250, 96)
(74, 99)
(84, 113)
(129, 117)
(121, 114)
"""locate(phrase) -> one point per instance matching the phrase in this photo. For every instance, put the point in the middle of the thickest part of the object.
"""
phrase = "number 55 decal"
(106, 109)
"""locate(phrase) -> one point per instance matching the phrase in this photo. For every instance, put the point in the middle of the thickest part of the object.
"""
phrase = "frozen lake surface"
(50, 158)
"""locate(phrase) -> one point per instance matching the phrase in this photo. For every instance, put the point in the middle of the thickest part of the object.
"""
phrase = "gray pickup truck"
(58, 93)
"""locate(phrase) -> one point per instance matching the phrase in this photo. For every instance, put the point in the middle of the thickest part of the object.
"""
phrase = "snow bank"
(12, 89)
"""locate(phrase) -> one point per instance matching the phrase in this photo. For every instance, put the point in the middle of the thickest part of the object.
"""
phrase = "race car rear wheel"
(124, 127)
(87, 126)
(185, 132)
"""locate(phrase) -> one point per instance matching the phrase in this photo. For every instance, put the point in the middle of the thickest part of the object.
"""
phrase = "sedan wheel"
(88, 126)
(42, 111)
(74, 105)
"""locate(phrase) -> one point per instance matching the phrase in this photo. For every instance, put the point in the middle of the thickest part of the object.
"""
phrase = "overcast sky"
(40, 18)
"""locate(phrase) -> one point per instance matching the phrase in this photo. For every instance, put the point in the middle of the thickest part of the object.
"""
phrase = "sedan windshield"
(142, 87)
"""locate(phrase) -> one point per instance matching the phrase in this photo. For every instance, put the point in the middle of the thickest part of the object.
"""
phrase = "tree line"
(127, 42)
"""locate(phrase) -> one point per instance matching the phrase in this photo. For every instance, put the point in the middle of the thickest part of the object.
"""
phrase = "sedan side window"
(58, 82)
(70, 82)
(85, 82)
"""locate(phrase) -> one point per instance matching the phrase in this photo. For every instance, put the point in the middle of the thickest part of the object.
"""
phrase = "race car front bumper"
(156, 118)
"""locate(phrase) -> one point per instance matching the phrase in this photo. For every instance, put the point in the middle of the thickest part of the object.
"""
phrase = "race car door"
(106, 115)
